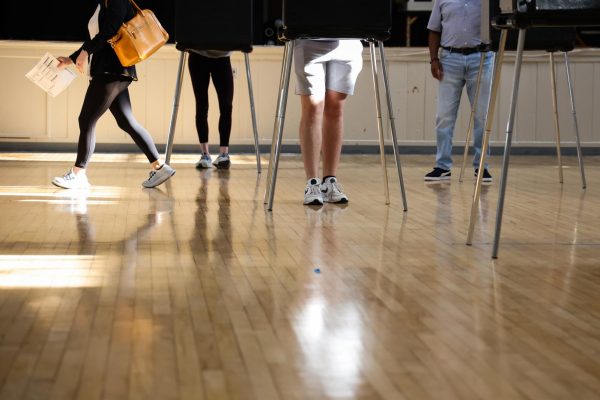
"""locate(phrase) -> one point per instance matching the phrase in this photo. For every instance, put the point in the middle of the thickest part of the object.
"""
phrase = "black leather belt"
(466, 50)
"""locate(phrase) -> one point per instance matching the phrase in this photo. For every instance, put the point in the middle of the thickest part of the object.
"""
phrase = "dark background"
(66, 20)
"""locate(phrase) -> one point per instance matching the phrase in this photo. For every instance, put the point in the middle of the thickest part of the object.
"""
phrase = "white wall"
(28, 114)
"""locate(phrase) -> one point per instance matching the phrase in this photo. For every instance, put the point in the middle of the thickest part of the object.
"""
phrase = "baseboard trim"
(39, 147)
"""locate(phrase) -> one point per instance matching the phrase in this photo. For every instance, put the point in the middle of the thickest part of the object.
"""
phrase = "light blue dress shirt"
(459, 21)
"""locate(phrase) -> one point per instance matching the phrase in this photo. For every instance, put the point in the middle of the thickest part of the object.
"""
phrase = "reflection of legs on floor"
(324, 216)
(313, 216)
(223, 238)
(160, 204)
(223, 186)
(332, 212)
(77, 205)
(199, 239)
(86, 234)
(319, 241)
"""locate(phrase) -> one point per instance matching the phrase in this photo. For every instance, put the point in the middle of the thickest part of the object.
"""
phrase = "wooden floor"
(194, 291)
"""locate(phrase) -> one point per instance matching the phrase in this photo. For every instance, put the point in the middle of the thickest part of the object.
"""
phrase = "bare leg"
(310, 133)
(333, 131)
(204, 148)
(157, 164)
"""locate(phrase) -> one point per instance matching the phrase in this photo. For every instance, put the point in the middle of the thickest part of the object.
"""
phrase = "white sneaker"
(71, 180)
(158, 176)
(204, 162)
(222, 161)
(332, 191)
(312, 193)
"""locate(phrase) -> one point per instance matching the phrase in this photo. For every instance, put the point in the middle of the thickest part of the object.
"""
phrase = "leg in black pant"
(99, 96)
(200, 75)
(201, 70)
(121, 110)
(222, 78)
(110, 92)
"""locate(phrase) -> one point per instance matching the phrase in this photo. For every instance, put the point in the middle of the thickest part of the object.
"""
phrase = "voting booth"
(213, 25)
(525, 16)
(369, 20)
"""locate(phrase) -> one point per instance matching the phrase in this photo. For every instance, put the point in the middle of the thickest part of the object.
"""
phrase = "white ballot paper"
(47, 75)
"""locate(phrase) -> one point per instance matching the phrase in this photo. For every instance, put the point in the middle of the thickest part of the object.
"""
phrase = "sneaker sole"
(441, 178)
(485, 180)
(315, 202)
(341, 201)
(200, 166)
(223, 165)
(67, 187)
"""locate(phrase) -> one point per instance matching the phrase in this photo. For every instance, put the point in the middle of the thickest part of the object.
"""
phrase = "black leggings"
(201, 69)
(109, 92)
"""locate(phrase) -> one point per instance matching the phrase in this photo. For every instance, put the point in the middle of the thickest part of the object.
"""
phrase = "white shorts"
(327, 64)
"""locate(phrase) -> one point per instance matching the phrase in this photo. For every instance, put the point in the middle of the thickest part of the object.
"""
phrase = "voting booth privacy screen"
(552, 12)
(337, 19)
(544, 38)
(213, 25)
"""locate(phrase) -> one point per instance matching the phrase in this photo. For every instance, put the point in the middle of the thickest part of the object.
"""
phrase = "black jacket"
(113, 13)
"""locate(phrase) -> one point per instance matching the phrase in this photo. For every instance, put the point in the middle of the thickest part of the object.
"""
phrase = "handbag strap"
(136, 7)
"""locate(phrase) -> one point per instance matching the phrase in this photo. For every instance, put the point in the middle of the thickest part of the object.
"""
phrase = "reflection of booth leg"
(472, 118)
(556, 123)
(284, 83)
(392, 121)
(253, 113)
(575, 126)
(508, 143)
(489, 120)
(180, 70)
(379, 122)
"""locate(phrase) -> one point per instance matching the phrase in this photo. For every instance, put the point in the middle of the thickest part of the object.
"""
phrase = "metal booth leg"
(489, 120)
(508, 143)
(575, 126)
(472, 118)
(170, 137)
(284, 83)
(556, 123)
(392, 121)
(379, 122)
(253, 112)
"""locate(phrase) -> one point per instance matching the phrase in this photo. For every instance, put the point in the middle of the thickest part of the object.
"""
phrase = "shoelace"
(336, 187)
(314, 189)
(152, 173)
(69, 176)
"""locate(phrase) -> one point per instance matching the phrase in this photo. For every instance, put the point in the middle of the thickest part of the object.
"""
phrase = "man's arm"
(434, 47)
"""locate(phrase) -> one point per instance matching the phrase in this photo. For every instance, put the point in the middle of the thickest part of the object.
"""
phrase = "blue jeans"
(460, 70)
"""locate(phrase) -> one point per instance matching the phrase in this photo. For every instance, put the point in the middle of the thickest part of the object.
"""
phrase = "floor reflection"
(160, 204)
(443, 210)
(208, 236)
(328, 324)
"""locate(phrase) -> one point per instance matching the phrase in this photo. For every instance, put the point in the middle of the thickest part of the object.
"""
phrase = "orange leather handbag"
(138, 38)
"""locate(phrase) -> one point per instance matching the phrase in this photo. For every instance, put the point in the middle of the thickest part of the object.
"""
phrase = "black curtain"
(64, 20)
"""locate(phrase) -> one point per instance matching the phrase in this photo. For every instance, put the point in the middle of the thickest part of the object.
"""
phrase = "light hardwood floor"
(194, 291)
